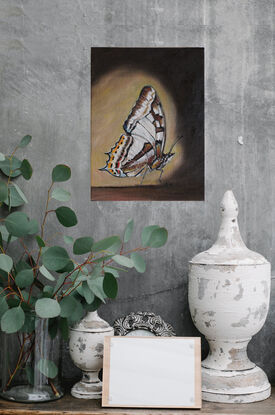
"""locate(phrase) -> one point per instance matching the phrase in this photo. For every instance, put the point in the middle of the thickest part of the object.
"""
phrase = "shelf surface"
(72, 406)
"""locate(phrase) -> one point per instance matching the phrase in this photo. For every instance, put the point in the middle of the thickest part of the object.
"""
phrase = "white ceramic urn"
(86, 350)
(229, 290)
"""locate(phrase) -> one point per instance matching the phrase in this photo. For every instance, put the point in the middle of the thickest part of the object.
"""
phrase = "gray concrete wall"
(45, 91)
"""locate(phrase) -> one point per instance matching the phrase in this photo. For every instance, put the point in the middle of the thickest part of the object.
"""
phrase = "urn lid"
(229, 248)
(92, 323)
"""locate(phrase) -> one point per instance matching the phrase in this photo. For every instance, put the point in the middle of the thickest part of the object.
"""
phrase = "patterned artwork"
(144, 123)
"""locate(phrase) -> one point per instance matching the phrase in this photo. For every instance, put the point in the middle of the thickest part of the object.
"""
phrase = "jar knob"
(229, 206)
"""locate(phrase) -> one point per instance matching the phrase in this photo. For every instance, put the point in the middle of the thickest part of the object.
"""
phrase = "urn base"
(243, 386)
(84, 390)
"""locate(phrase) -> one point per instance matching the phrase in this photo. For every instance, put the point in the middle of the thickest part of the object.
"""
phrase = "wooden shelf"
(71, 406)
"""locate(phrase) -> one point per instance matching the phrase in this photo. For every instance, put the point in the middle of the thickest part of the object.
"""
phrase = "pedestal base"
(85, 390)
(241, 386)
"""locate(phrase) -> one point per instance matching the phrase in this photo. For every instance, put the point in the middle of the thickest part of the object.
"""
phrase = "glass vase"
(31, 362)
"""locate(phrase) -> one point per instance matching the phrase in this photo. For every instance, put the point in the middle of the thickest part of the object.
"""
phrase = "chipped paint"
(229, 297)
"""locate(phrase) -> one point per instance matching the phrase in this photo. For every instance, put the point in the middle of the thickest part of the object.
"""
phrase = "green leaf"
(158, 238)
(66, 216)
(12, 320)
(94, 306)
(61, 195)
(68, 240)
(112, 270)
(59, 282)
(29, 324)
(3, 305)
(77, 314)
(25, 141)
(26, 169)
(20, 193)
(82, 245)
(48, 291)
(6, 262)
(1, 240)
(40, 241)
(48, 368)
(11, 167)
(17, 224)
(123, 260)
(110, 285)
(138, 262)
(68, 268)
(5, 234)
(64, 328)
(2, 157)
(47, 308)
(106, 243)
(61, 173)
(146, 234)
(55, 258)
(96, 286)
(33, 227)
(68, 305)
(14, 199)
(24, 278)
(3, 191)
(46, 273)
(128, 230)
(22, 265)
(87, 293)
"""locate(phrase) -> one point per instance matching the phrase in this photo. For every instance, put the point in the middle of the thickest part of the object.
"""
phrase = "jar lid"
(92, 323)
(229, 248)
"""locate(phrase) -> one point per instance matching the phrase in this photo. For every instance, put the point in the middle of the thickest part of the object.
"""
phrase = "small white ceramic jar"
(86, 350)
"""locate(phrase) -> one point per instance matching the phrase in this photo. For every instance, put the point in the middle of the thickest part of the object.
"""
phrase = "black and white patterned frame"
(143, 320)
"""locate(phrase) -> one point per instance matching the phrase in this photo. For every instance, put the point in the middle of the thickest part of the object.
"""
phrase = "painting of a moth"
(143, 124)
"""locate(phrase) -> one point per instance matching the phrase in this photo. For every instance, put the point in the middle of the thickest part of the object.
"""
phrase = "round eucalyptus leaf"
(123, 260)
(68, 240)
(5, 234)
(128, 230)
(3, 305)
(60, 194)
(146, 234)
(3, 191)
(55, 258)
(138, 262)
(87, 293)
(47, 308)
(25, 141)
(33, 227)
(2, 157)
(82, 245)
(106, 243)
(12, 320)
(26, 169)
(17, 224)
(158, 238)
(46, 273)
(68, 305)
(24, 278)
(15, 196)
(48, 368)
(96, 286)
(66, 216)
(61, 173)
(64, 328)
(40, 241)
(6, 262)
(11, 167)
(110, 285)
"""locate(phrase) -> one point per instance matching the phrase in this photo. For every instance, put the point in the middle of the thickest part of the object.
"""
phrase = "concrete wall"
(45, 91)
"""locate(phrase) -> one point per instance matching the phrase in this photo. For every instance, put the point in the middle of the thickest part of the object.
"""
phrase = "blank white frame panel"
(152, 372)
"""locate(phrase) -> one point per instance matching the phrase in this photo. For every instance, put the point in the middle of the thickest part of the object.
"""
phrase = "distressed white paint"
(229, 290)
(86, 350)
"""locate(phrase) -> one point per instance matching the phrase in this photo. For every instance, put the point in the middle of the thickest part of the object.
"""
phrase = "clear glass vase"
(31, 362)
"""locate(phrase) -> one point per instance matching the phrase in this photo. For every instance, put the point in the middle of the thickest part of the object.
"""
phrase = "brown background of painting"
(178, 75)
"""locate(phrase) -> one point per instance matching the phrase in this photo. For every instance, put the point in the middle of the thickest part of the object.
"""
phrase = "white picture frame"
(152, 372)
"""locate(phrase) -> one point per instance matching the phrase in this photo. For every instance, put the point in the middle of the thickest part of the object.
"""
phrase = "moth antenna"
(173, 145)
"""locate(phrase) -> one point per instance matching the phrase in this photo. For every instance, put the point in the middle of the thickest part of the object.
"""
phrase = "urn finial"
(229, 205)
